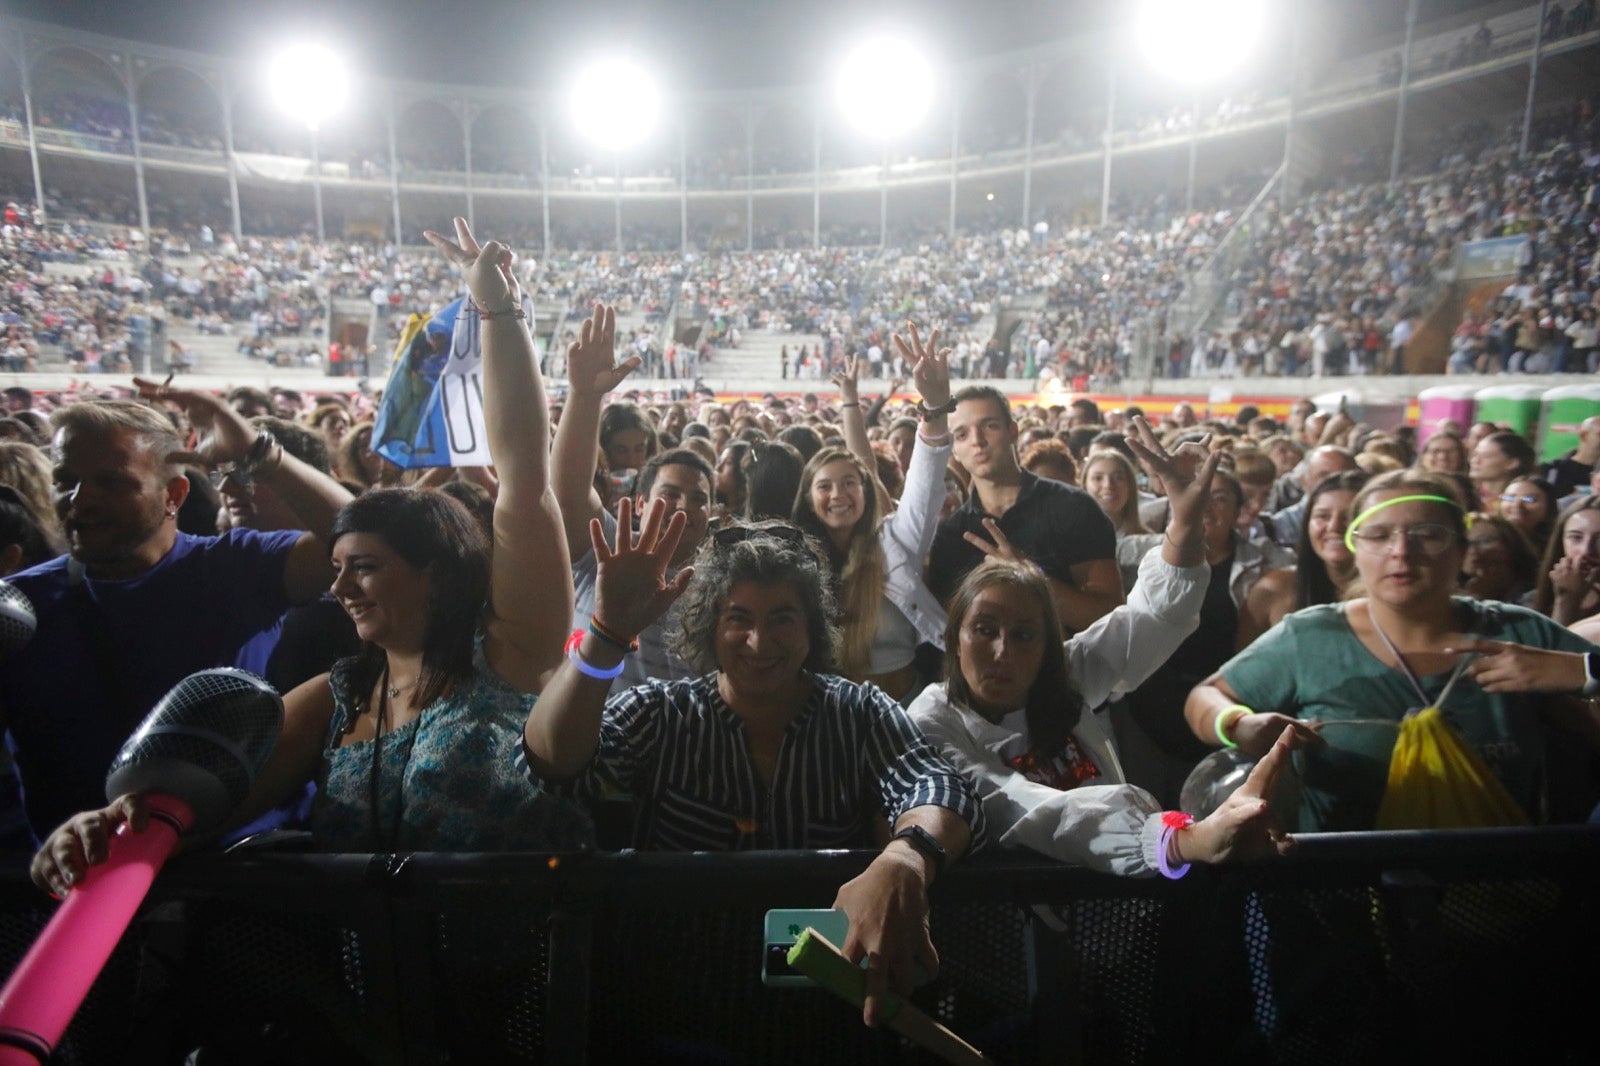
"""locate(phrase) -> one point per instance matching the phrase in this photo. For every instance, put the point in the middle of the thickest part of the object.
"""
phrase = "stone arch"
(783, 138)
(994, 112)
(1070, 104)
(505, 140)
(715, 142)
(178, 106)
(428, 136)
(80, 90)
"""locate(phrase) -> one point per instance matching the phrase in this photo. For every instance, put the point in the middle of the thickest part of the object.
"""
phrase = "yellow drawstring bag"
(1437, 781)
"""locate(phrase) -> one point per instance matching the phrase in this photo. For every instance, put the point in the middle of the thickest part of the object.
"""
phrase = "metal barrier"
(1366, 948)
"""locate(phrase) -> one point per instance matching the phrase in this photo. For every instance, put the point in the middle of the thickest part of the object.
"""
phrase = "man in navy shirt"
(136, 606)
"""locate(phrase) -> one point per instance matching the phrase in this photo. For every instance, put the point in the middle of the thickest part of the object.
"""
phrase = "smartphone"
(783, 928)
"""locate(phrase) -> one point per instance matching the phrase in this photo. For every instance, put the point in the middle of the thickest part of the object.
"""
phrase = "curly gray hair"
(766, 553)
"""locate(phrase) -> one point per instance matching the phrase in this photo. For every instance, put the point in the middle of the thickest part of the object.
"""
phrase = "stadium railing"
(1362, 947)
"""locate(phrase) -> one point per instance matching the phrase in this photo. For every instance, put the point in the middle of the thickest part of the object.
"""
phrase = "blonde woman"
(887, 611)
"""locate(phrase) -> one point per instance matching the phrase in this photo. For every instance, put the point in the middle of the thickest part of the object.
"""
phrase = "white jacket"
(1111, 828)
(907, 536)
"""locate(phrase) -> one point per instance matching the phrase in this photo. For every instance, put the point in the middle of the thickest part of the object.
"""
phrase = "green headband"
(1350, 531)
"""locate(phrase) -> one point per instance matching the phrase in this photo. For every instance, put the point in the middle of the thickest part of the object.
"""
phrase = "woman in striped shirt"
(767, 749)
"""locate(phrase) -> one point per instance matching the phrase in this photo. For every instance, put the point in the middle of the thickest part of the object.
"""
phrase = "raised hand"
(592, 366)
(225, 436)
(487, 269)
(930, 365)
(997, 548)
(1185, 474)
(848, 380)
(631, 586)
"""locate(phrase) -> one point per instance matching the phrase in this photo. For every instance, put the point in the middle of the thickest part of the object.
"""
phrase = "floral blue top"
(447, 781)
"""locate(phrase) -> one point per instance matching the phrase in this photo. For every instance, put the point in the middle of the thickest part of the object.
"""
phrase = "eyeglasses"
(1429, 538)
(731, 535)
(1527, 501)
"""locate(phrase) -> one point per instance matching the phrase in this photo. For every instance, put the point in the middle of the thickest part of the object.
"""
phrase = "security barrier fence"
(1470, 946)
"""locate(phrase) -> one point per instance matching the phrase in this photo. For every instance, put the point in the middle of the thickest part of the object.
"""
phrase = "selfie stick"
(817, 958)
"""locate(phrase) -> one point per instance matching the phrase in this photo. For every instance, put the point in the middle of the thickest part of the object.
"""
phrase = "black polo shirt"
(1057, 526)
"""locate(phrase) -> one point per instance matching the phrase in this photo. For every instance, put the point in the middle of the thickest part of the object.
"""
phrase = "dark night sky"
(699, 44)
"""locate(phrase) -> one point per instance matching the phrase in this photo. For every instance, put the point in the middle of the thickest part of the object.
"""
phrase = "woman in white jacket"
(1013, 714)
(877, 555)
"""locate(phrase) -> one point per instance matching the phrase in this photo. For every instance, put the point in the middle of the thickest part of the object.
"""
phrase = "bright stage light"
(884, 87)
(309, 82)
(615, 103)
(1198, 41)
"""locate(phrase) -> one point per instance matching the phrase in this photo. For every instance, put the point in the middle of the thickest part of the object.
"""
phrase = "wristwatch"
(924, 842)
(1591, 673)
(929, 412)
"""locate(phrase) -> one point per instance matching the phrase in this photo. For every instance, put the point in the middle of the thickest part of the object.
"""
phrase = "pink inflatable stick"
(39, 1000)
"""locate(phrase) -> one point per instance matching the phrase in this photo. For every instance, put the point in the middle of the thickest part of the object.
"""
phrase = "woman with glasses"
(1345, 675)
(768, 748)
(1529, 504)
(876, 551)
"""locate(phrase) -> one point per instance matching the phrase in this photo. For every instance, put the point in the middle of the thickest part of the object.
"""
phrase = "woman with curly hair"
(767, 748)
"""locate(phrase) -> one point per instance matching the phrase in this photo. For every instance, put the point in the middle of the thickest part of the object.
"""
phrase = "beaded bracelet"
(1171, 822)
(1226, 717)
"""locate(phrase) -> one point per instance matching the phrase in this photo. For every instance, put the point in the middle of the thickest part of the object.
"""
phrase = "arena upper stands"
(1279, 228)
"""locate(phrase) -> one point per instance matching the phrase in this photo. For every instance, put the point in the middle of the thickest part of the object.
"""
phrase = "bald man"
(1572, 470)
(1320, 464)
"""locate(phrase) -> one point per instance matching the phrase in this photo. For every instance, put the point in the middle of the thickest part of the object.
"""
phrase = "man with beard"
(136, 605)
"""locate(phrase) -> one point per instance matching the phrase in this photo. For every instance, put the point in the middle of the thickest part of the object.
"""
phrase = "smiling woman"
(767, 749)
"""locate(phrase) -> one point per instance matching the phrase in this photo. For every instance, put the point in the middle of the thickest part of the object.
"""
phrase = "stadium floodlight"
(615, 103)
(309, 82)
(1199, 41)
(885, 85)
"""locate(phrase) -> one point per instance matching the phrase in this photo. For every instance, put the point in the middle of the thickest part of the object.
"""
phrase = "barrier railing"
(1365, 948)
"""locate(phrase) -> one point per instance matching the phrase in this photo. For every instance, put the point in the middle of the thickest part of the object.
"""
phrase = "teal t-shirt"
(1312, 666)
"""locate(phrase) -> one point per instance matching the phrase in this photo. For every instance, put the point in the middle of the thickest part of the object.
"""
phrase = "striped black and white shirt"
(851, 754)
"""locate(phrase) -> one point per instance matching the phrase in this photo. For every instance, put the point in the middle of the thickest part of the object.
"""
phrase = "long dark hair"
(1312, 582)
(432, 532)
(1544, 599)
(1054, 702)
(772, 472)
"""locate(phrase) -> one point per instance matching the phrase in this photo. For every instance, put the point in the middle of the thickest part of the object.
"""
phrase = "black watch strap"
(1591, 673)
(924, 842)
(929, 412)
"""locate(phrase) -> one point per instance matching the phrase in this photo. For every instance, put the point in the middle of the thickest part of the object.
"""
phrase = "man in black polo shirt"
(1059, 527)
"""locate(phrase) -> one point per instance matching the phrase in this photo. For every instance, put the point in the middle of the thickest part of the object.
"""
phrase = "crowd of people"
(925, 628)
